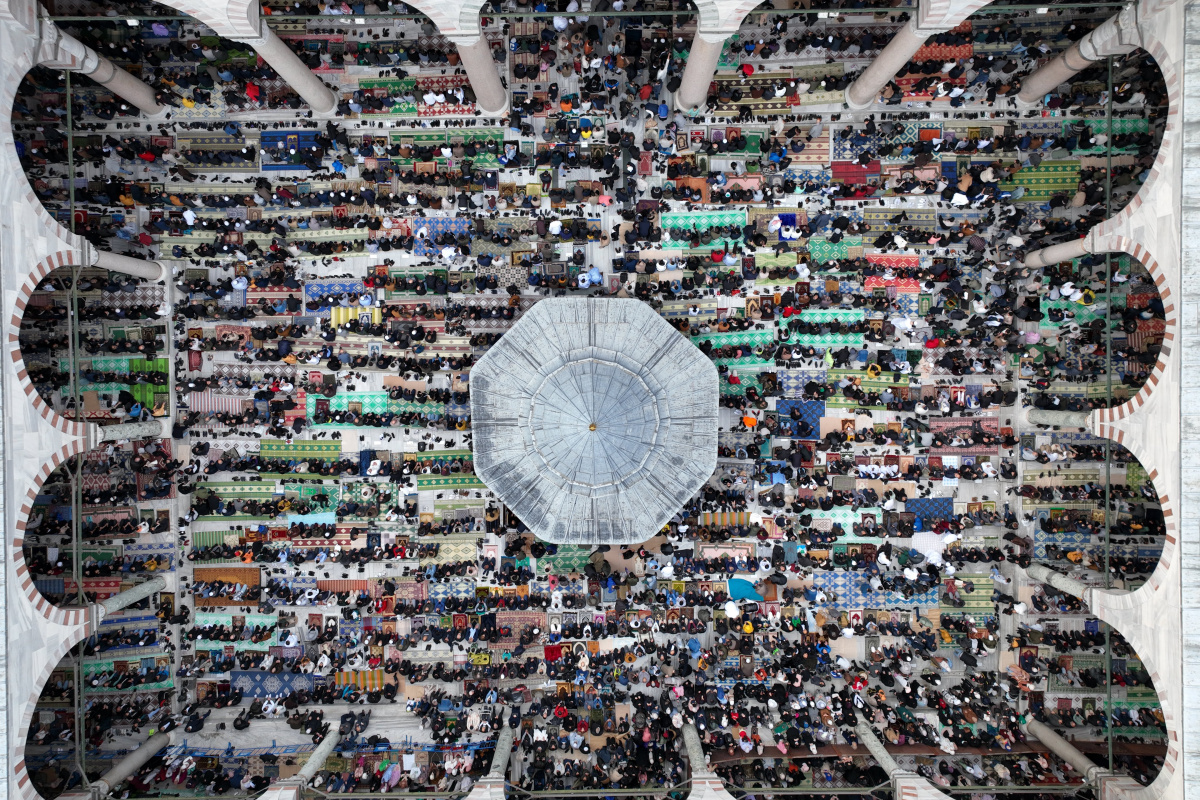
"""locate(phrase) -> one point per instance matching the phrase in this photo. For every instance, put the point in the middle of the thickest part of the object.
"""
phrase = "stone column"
(705, 783)
(476, 57)
(699, 71)
(1073, 587)
(907, 41)
(150, 429)
(877, 749)
(317, 760)
(1064, 750)
(1060, 419)
(1116, 36)
(271, 49)
(130, 764)
(138, 268)
(1076, 248)
(131, 596)
(60, 50)
(492, 785)
(905, 784)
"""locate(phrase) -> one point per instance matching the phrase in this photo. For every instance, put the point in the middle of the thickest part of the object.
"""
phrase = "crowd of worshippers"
(615, 716)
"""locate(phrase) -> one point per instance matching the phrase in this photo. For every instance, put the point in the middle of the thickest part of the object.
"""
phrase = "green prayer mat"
(301, 448)
(455, 481)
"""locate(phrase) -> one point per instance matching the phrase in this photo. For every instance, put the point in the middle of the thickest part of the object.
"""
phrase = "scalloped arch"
(62, 258)
(59, 615)
(23, 783)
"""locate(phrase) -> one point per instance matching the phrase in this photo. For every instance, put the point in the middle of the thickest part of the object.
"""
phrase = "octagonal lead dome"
(594, 420)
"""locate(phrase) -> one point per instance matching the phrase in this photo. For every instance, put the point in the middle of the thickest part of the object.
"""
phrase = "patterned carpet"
(307, 448)
(849, 589)
(1046, 180)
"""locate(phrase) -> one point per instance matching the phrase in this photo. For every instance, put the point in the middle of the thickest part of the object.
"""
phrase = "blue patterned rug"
(437, 226)
(792, 380)
(811, 412)
(256, 683)
(316, 289)
(931, 509)
(850, 594)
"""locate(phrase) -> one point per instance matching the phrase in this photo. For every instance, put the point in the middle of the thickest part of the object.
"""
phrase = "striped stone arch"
(41, 269)
(1113, 243)
(714, 14)
(20, 772)
(1171, 132)
(461, 19)
(232, 19)
(1165, 571)
(947, 13)
(1170, 546)
(21, 12)
(1145, 596)
(53, 229)
(71, 615)
(1104, 420)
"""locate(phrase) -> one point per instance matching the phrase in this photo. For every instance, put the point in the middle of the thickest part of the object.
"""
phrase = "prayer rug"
(815, 153)
(821, 250)
(743, 362)
(410, 589)
(931, 509)
(880, 220)
(943, 52)
(703, 220)
(850, 148)
(163, 552)
(1045, 180)
(824, 315)
(768, 260)
(367, 679)
(459, 588)
(450, 552)
(811, 412)
(853, 592)
(725, 518)
(569, 558)
(963, 426)
(851, 172)
(456, 481)
(300, 448)
(829, 339)
(792, 381)
(751, 338)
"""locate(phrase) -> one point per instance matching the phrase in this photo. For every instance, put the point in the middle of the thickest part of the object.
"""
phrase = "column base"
(1026, 105)
(487, 789)
(501, 112)
(853, 106)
